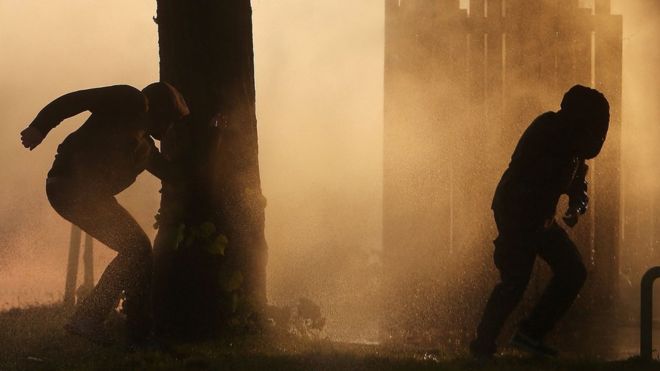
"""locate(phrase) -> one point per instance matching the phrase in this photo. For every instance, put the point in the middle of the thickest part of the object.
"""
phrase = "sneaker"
(88, 329)
(530, 345)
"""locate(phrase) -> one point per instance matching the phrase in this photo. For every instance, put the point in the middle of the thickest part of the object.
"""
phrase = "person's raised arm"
(117, 99)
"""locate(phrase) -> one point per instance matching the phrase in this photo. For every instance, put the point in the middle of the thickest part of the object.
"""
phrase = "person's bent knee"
(580, 274)
(514, 287)
(573, 276)
(60, 198)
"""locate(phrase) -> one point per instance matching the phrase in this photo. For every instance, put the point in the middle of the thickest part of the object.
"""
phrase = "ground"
(33, 339)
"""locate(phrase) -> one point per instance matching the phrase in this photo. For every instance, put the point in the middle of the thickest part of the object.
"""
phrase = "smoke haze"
(319, 73)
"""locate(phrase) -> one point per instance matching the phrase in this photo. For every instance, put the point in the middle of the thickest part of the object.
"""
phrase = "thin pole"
(88, 266)
(72, 267)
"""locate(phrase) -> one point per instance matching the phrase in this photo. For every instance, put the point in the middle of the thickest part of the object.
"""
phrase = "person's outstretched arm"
(117, 99)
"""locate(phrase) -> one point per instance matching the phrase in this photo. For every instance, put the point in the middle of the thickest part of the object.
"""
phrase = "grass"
(33, 339)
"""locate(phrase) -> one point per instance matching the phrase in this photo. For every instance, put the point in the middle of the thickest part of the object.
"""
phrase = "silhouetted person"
(548, 161)
(95, 163)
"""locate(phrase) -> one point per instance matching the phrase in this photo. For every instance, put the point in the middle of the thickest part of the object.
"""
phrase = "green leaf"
(231, 282)
(206, 230)
(218, 246)
(179, 236)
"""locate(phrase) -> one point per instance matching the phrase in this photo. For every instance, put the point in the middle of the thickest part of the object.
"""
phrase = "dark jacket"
(542, 168)
(111, 148)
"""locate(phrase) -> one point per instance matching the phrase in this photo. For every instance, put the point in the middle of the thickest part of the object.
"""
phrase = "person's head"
(165, 106)
(588, 113)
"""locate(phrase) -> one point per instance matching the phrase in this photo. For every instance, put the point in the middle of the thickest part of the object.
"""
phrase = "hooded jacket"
(112, 147)
(543, 166)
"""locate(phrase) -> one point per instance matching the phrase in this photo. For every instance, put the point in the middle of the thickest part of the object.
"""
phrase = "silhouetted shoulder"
(117, 99)
(541, 135)
(544, 124)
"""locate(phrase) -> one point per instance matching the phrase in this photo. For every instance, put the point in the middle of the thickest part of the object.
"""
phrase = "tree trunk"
(210, 249)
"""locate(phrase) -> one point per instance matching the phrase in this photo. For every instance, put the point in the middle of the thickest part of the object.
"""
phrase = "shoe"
(533, 346)
(88, 329)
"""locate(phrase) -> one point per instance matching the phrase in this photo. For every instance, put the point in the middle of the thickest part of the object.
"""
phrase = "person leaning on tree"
(548, 161)
(95, 163)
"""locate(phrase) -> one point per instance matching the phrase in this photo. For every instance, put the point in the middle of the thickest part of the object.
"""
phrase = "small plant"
(304, 319)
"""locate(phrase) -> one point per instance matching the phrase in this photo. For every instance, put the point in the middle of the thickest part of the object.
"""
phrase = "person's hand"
(571, 217)
(579, 203)
(31, 137)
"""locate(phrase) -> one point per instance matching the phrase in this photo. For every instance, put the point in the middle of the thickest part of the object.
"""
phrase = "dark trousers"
(515, 253)
(102, 217)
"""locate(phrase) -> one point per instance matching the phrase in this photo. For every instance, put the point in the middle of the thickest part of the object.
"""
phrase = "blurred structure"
(461, 85)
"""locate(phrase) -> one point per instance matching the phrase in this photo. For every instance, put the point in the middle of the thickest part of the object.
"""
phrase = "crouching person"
(95, 163)
(548, 161)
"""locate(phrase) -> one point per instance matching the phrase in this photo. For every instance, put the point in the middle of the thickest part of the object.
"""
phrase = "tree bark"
(210, 249)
